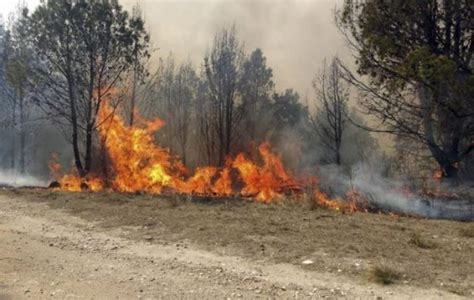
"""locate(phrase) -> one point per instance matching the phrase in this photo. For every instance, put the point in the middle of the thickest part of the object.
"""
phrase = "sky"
(295, 35)
(9, 6)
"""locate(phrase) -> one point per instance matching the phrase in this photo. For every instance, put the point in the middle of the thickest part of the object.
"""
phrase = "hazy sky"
(295, 35)
(8, 6)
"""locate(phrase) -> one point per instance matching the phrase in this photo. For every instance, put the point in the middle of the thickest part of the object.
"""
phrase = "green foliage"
(257, 82)
(17, 73)
(287, 110)
(418, 56)
(87, 49)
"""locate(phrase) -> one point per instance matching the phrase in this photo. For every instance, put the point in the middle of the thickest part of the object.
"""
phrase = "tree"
(287, 110)
(174, 91)
(9, 103)
(86, 47)
(186, 84)
(256, 88)
(205, 113)
(223, 67)
(18, 77)
(17, 59)
(3, 61)
(329, 121)
(418, 56)
(289, 127)
(139, 56)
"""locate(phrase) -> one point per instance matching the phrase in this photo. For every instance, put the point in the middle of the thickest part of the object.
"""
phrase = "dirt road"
(51, 253)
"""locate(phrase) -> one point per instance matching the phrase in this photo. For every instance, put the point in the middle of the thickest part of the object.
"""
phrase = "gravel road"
(48, 253)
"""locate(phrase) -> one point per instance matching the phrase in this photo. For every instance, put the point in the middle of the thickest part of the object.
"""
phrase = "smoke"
(13, 179)
(42, 138)
(294, 35)
(388, 194)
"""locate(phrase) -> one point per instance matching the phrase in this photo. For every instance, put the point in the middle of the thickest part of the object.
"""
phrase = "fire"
(263, 182)
(72, 182)
(336, 204)
(138, 164)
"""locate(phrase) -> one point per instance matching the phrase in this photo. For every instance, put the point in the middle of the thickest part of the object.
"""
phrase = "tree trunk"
(13, 125)
(75, 133)
(447, 160)
(88, 160)
(132, 104)
(338, 157)
(22, 135)
(450, 172)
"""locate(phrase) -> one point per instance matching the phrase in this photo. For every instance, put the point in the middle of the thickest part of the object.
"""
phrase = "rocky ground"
(111, 246)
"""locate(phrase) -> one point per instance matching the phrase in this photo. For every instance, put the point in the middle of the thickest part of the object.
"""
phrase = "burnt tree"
(329, 121)
(223, 67)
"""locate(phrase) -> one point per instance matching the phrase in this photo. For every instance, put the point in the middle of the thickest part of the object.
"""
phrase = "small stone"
(307, 262)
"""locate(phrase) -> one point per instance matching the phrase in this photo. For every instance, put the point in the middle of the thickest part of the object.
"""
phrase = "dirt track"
(50, 248)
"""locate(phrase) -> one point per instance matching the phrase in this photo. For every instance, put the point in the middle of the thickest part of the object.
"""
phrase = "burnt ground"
(105, 245)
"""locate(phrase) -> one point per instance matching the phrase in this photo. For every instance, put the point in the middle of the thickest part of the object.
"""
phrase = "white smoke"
(388, 195)
(14, 179)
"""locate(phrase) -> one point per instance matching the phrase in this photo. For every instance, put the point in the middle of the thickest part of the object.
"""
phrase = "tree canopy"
(87, 48)
(418, 56)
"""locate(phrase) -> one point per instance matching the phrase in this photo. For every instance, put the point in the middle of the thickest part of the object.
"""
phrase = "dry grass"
(383, 274)
(422, 242)
(467, 232)
(290, 232)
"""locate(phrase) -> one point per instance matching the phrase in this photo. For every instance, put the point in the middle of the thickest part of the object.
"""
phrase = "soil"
(116, 246)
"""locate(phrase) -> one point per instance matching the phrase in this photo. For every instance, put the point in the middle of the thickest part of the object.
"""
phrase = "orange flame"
(349, 206)
(140, 165)
(265, 182)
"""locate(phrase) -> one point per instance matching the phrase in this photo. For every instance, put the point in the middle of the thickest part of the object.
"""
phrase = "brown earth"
(107, 246)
